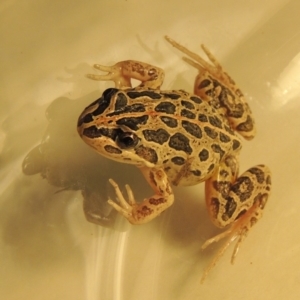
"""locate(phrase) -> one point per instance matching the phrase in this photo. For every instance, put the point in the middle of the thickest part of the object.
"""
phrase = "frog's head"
(112, 126)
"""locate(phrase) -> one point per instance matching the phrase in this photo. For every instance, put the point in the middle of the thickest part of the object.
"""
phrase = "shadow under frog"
(65, 162)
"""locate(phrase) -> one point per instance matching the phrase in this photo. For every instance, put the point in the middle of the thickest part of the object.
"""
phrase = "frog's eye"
(126, 140)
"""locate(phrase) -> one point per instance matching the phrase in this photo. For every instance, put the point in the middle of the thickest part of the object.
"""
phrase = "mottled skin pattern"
(178, 138)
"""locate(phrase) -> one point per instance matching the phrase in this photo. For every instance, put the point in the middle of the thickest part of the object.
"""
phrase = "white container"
(47, 248)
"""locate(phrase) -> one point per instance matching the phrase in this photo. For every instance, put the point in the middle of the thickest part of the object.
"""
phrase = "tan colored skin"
(201, 147)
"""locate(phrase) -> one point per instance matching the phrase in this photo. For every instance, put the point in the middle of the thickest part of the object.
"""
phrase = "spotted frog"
(181, 139)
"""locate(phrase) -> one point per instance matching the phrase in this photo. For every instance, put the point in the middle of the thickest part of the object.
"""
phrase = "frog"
(179, 138)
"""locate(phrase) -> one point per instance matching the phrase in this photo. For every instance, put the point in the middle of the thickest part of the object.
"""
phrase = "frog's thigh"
(229, 199)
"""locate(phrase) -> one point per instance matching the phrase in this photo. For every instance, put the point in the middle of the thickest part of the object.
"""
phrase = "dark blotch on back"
(203, 155)
(228, 129)
(188, 114)
(133, 122)
(196, 172)
(202, 118)
(171, 96)
(159, 136)
(192, 129)
(136, 107)
(224, 138)
(210, 132)
(150, 94)
(187, 104)
(180, 142)
(121, 102)
(196, 99)
(210, 168)
(177, 160)
(170, 122)
(215, 121)
(217, 149)
(165, 107)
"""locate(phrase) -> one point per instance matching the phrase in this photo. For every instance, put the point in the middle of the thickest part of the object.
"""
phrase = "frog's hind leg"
(237, 231)
(200, 64)
(215, 86)
(240, 204)
(122, 73)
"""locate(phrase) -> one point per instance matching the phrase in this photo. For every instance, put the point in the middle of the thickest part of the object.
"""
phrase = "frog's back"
(171, 130)
(186, 136)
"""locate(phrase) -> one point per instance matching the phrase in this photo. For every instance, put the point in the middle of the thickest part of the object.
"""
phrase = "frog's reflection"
(65, 162)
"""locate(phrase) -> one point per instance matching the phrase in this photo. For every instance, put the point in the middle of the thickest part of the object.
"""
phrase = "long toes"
(123, 211)
(99, 77)
(115, 205)
(103, 68)
(131, 199)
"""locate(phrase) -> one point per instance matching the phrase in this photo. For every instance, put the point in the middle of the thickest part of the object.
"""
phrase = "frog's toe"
(123, 211)
(103, 68)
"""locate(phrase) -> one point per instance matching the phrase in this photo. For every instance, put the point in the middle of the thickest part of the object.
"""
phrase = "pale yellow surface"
(47, 248)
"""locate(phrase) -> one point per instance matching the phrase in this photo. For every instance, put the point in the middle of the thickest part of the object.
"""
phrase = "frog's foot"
(238, 201)
(238, 231)
(139, 213)
(114, 74)
(125, 208)
(215, 86)
(196, 61)
(122, 72)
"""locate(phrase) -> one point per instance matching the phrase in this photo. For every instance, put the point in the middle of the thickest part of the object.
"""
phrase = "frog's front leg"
(149, 208)
(122, 73)
(235, 200)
